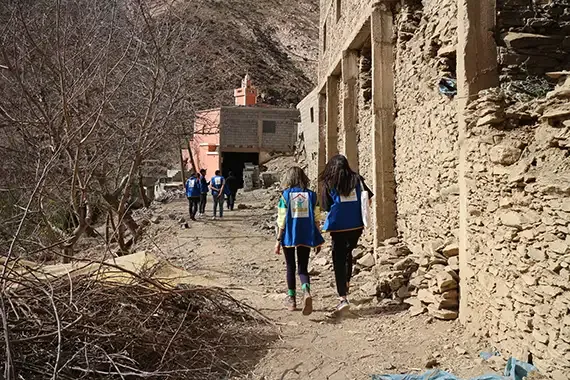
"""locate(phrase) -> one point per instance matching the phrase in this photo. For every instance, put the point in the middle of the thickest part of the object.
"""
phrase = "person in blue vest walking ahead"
(217, 184)
(298, 232)
(193, 194)
(341, 197)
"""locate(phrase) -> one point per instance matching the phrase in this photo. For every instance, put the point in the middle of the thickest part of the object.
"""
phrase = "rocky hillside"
(274, 41)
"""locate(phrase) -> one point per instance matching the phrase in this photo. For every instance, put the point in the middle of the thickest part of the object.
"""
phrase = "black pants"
(303, 258)
(203, 201)
(193, 206)
(343, 243)
(231, 200)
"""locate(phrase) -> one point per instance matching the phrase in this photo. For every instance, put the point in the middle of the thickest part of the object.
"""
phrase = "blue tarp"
(515, 370)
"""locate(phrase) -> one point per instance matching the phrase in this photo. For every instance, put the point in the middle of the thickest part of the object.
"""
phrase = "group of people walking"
(197, 189)
(299, 223)
(299, 226)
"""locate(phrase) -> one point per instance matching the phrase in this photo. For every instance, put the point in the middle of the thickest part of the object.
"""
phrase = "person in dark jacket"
(341, 198)
(232, 189)
(204, 188)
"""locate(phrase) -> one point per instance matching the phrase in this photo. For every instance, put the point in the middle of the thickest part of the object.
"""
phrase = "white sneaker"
(214, 218)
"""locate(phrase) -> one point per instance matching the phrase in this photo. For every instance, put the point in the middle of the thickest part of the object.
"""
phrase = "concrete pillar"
(332, 117)
(322, 151)
(384, 201)
(350, 73)
(476, 71)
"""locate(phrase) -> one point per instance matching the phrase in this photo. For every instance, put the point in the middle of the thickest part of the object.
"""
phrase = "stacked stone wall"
(518, 273)
(426, 146)
(533, 37)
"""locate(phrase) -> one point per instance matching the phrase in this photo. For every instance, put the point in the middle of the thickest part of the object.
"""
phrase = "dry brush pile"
(85, 328)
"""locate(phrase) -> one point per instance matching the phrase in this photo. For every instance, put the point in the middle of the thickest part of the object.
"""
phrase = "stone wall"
(518, 183)
(364, 119)
(533, 37)
(426, 146)
(309, 129)
(339, 32)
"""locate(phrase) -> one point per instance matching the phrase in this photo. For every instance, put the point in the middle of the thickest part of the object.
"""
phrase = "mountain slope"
(274, 41)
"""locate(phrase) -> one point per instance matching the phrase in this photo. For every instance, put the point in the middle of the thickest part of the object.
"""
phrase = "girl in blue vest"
(341, 197)
(298, 217)
(193, 194)
(217, 184)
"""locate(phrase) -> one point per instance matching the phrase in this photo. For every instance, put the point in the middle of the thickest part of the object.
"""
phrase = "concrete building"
(438, 159)
(226, 138)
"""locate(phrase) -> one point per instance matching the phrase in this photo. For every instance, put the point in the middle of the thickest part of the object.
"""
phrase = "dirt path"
(374, 339)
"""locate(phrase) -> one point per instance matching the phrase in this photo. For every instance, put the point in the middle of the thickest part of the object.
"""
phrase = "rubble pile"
(386, 272)
(436, 283)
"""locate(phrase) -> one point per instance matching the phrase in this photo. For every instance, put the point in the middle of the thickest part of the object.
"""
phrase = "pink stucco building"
(226, 138)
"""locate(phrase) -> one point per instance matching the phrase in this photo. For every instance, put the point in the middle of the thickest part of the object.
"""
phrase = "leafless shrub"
(89, 90)
(84, 328)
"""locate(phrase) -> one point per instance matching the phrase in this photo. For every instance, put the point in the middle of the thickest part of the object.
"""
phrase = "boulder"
(370, 288)
(321, 261)
(490, 119)
(426, 296)
(451, 250)
(512, 219)
(443, 314)
(517, 41)
(504, 154)
(404, 264)
(417, 310)
(445, 282)
(367, 261)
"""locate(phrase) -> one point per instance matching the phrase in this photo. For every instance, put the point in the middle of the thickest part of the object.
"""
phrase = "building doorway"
(235, 162)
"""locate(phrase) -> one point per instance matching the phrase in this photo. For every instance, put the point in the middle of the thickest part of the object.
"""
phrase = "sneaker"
(214, 218)
(307, 304)
(343, 305)
(291, 303)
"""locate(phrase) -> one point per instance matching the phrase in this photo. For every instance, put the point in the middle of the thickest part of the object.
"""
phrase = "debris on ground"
(436, 283)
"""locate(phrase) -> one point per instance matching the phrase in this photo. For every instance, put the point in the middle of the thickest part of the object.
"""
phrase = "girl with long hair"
(298, 232)
(341, 197)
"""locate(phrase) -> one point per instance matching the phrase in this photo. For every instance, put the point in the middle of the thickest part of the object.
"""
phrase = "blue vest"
(216, 182)
(300, 227)
(193, 187)
(345, 213)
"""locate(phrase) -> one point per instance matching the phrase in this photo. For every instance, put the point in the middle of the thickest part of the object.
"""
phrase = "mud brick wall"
(426, 146)
(533, 37)
(518, 277)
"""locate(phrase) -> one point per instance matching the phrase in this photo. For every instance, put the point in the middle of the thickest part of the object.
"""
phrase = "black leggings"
(193, 206)
(203, 201)
(342, 245)
(303, 256)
